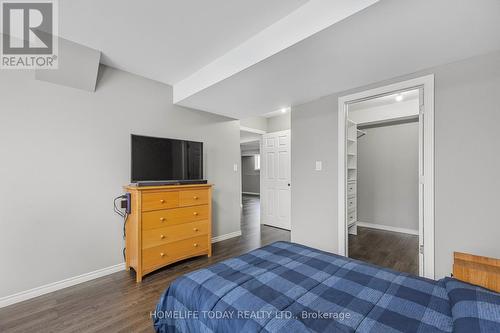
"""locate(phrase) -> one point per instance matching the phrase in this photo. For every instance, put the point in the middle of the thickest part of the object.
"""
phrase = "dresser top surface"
(165, 187)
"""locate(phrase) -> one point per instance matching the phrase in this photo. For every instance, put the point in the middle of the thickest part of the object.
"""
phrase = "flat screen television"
(166, 161)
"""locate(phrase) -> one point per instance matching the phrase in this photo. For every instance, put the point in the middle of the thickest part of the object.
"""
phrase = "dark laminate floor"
(115, 303)
(385, 248)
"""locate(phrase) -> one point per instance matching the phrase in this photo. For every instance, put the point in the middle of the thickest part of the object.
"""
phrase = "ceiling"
(244, 58)
(166, 40)
(386, 40)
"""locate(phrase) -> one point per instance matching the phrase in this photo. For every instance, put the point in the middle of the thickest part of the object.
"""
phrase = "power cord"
(123, 215)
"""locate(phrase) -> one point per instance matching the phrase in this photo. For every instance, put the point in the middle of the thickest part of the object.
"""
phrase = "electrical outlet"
(127, 203)
(319, 165)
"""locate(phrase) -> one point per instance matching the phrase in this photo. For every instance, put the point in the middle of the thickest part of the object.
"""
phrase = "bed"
(287, 287)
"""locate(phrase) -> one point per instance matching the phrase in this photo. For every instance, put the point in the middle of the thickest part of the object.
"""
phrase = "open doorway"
(382, 182)
(250, 182)
(250, 168)
(254, 232)
(266, 167)
(386, 176)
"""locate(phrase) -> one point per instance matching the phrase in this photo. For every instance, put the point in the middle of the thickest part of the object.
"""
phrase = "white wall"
(250, 148)
(250, 178)
(381, 113)
(467, 139)
(276, 123)
(387, 191)
(314, 193)
(279, 123)
(78, 66)
(256, 123)
(65, 154)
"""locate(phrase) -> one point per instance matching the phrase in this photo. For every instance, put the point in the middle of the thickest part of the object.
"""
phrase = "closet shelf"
(351, 177)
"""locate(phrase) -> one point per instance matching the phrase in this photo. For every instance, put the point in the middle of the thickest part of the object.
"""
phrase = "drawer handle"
(195, 229)
(195, 197)
(162, 201)
(162, 236)
(195, 244)
(162, 254)
(195, 213)
(162, 219)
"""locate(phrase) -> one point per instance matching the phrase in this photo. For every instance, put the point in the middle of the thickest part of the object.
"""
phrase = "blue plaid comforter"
(286, 287)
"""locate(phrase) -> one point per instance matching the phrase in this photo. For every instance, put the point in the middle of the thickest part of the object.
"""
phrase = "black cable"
(116, 209)
(124, 225)
(123, 215)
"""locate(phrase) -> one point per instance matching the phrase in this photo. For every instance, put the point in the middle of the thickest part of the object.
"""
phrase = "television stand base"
(171, 182)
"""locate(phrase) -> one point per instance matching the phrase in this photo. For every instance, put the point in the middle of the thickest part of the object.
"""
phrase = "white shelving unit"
(352, 176)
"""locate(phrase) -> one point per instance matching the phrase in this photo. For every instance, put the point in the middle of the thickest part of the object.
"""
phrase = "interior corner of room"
(216, 145)
(89, 134)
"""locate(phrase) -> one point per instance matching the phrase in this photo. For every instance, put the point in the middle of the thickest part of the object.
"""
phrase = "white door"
(275, 179)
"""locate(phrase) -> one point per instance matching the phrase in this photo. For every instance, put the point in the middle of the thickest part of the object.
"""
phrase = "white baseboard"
(51, 287)
(226, 236)
(387, 228)
(251, 193)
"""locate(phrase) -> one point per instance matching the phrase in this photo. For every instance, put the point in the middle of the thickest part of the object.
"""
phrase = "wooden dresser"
(167, 224)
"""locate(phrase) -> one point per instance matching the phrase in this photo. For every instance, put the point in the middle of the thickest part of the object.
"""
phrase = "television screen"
(157, 159)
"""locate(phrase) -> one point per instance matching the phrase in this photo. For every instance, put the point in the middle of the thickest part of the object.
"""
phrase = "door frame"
(426, 180)
(251, 130)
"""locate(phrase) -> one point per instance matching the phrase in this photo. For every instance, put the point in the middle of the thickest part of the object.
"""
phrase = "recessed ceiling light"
(283, 110)
(399, 98)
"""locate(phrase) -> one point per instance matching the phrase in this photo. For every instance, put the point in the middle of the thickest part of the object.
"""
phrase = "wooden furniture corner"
(481, 271)
(167, 224)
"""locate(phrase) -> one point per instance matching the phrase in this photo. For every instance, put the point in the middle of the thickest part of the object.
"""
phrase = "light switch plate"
(319, 165)
(235, 167)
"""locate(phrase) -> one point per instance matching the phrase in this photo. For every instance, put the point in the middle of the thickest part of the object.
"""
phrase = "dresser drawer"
(193, 197)
(351, 203)
(164, 254)
(167, 217)
(351, 189)
(159, 236)
(159, 200)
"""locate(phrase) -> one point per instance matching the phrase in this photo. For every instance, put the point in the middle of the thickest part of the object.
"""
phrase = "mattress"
(287, 287)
